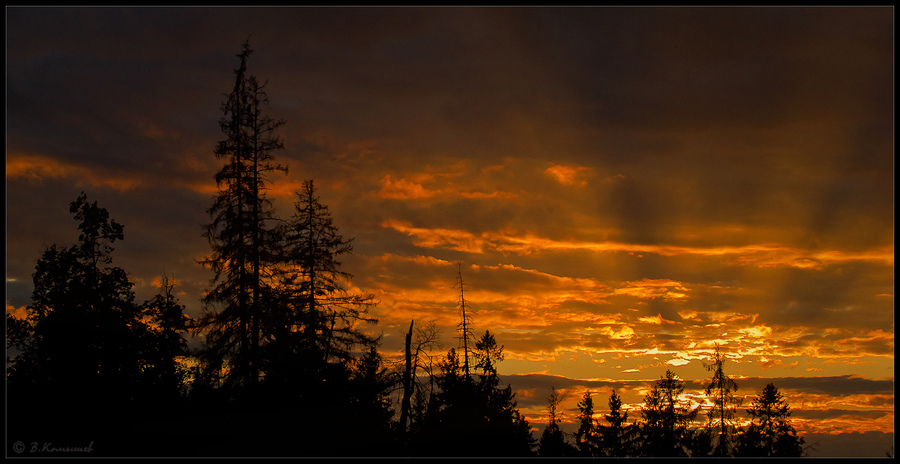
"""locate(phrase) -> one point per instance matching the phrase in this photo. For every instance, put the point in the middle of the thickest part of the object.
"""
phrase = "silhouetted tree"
(770, 432)
(617, 438)
(587, 437)
(165, 343)
(666, 418)
(487, 353)
(721, 415)
(450, 411)
(700, 441)
(472, 417)
(320, 320)
(370, 405)
(91, 360)
(83, 325)
(553, 441)
(465, 323)
(426, 338)
(241, 233)
(407, 379)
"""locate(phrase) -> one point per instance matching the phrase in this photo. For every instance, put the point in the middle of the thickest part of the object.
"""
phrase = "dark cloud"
(821, 414)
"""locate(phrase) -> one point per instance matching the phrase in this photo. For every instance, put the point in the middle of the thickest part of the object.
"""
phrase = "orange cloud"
(453, 239)
(36, 167)
(656, 320)
(757, 332)
(763, 255)
(402, 189)
(766, 363)
(18, 313)
(567, 175)
(421, 260)
(625, 333)
(654, 288)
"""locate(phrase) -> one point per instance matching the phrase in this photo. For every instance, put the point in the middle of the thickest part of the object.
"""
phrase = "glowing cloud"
(402, 189)
(656, 320)
(18, 313)
(765, 255)
(567, 175)
(35, 167)
(453, 239)
(654, 288)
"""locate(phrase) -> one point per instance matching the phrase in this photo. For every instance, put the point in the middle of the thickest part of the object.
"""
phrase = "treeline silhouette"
(286, 367)
(666, 427)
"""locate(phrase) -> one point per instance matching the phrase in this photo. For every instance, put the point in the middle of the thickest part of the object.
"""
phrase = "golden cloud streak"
(654, 288)
(419, 259)
(759, 255)
(403, 189)
(655, 320)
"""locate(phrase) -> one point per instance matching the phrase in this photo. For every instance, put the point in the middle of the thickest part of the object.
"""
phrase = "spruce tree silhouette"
(664, 431)
(318, 307)
(770, 432)
(721, 415)
(553, 442)
(240, 235)
(469, 416)
(617, 439)
(587, 438)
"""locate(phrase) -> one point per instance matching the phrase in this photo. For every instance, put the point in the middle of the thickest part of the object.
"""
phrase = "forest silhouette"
(285, 368)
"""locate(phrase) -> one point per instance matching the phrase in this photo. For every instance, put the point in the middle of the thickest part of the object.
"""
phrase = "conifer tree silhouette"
(666, 419)
(587, 437)
(617, 438)
(553, 442)
(770, 432)
(241, 231)
(472, 416)
(721, 415)
(465, 324)
(317, 311)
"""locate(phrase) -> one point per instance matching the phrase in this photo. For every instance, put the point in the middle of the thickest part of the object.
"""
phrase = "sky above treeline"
(621, 188)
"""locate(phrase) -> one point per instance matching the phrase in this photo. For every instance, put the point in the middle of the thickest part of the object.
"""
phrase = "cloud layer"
(621, 188)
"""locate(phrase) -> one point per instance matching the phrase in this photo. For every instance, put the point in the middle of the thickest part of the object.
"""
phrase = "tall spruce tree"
(587, 437)
(321, 318)
(721, 415)
(617, 437)
(241, 233)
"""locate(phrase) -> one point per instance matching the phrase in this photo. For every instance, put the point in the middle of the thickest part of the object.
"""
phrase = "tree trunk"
(407, 381)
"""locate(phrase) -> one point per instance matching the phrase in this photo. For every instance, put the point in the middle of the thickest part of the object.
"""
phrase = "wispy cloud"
(763, 255)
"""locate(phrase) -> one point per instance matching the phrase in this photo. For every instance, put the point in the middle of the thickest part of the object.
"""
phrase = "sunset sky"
(622, 188)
